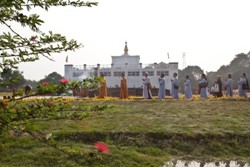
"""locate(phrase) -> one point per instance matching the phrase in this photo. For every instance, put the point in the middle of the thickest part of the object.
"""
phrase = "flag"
(67, 59)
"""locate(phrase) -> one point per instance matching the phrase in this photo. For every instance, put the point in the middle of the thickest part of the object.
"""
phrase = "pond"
(180, 163)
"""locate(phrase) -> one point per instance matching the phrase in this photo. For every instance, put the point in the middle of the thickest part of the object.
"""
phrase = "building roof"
(125, 54)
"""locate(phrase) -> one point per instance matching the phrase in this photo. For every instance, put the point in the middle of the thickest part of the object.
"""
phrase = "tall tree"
(32, 83)
(11, 79)
(53, 77)
(194, 73)
(240, 64)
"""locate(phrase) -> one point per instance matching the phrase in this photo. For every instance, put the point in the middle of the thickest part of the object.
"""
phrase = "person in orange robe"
(102, 87)
(124, 88)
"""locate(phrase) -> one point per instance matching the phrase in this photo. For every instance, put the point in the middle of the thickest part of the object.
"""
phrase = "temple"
(129, 64)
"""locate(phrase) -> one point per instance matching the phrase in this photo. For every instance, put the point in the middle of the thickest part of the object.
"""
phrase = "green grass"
(142, 133)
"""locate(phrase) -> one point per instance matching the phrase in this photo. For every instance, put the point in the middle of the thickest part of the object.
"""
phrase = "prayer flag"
(67, 59)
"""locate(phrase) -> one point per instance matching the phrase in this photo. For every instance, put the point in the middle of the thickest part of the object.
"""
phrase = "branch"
(52, 39)
(23, 97)
(43, 140)
(34, 44)
(46, 5)
(34, 135)
(12, 29)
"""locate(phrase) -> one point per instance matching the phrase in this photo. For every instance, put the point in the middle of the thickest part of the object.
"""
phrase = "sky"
(209, 32)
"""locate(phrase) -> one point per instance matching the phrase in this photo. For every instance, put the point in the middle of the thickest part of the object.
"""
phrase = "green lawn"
(140, 133)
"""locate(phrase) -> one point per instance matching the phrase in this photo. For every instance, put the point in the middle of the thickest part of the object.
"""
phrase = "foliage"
(14, 79)
(46, 88)
(64, 86)
(15, 47)
(19, 92)
(11, 79)
(237, 66)
(194, 73)
(32, 83)
(53, 77)
(92, 82)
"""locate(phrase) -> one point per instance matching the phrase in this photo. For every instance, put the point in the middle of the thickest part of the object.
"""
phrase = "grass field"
(140, 133)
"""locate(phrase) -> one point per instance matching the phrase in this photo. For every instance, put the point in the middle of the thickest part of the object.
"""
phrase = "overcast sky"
(210, 32)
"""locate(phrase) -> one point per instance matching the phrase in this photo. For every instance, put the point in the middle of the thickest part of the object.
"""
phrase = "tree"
(16, 48)
(32, 83)
(194, 73)
(11, 79)
(238, 65)
(53, 77)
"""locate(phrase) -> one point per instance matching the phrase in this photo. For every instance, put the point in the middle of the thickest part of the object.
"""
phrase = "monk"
(243, 81)
(162, 87)
(124, 88)
(102, 87)
(203, 86)
(175, 87)
(146, 89)
(188, 88)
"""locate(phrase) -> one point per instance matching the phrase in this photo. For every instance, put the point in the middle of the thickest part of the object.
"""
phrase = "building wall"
(68, 71)
(120, 62)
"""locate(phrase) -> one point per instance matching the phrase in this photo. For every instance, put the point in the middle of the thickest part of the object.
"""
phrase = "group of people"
(103, 87)
(216, 90)
(162, 88)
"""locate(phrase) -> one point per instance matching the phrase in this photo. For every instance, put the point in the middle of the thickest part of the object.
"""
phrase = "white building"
(130, 65)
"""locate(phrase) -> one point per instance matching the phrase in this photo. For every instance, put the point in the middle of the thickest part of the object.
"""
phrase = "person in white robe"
(203, 86)
(188, 88)
(229, 85)
(146, 88)
(162, 87)
(175, 87)
(243, 80)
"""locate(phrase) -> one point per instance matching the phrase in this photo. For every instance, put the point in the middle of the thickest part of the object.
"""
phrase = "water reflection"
(180, 163)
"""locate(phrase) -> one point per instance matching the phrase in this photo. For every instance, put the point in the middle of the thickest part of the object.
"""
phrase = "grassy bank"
(141, 133)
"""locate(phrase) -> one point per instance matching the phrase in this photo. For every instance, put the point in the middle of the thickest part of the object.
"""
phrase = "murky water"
(180, 163)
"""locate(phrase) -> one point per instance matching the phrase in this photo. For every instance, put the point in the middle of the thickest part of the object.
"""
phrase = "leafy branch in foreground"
(16, 48)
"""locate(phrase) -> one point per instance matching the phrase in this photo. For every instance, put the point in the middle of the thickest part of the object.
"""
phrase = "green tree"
(194, 73)
(241, 63)
(11, 79)
(16, 48)
(53, 77)
(32, 83)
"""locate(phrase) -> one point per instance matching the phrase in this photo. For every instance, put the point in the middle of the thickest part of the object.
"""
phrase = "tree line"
(11, 79)
(240, 64)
